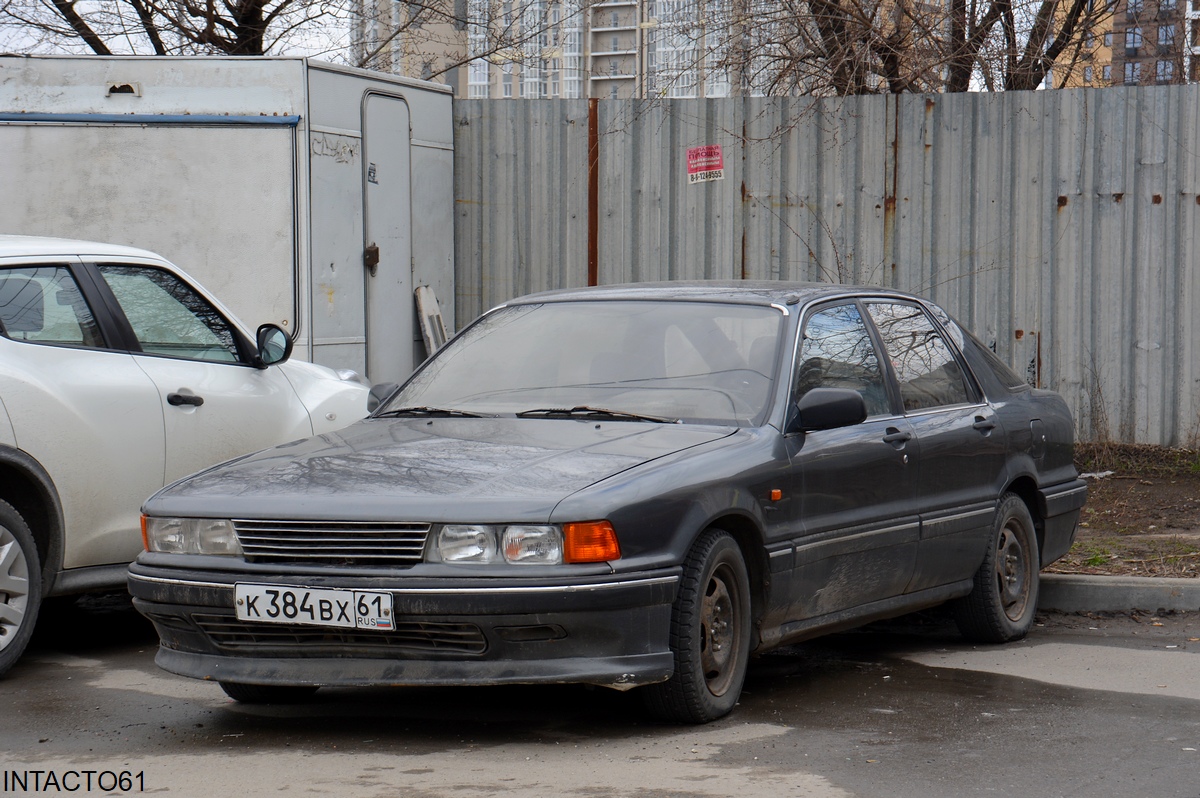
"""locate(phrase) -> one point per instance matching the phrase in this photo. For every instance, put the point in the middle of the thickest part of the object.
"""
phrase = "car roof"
(757, 292)
(13, 246)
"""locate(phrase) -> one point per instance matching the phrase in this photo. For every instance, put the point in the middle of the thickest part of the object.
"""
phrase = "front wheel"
(267, 693)
(1002, 603)
(20, 585)
(710, 635)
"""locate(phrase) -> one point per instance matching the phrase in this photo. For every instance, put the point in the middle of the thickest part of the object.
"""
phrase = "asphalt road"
(1084, 707)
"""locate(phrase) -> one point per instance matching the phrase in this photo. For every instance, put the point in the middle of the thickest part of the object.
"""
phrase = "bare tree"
(420, 38)
(168, 27)
(772, 47)
(875, 46)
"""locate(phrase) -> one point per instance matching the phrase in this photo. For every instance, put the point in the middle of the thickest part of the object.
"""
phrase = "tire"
(267, 693)
(710, 635)
(1002, 604)
(20, 586)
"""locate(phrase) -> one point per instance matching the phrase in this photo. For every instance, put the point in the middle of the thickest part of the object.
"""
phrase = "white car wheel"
(20, 586)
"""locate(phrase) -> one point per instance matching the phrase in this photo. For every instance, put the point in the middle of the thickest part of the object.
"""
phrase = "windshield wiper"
(429, 412)
(587, 411)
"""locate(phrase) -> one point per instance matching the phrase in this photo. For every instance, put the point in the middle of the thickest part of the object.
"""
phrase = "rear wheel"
(20, 585)
(710, 635)
(267, 693)
(1002, 604)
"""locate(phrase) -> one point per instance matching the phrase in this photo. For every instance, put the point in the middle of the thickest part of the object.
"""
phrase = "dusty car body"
(630, 486)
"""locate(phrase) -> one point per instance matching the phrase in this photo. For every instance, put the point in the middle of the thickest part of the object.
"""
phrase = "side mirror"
(274, 345)
(380, 391)
(827, 408)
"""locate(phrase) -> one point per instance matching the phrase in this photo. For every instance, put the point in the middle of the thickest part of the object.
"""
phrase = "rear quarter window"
(988, 365)
(43, 304)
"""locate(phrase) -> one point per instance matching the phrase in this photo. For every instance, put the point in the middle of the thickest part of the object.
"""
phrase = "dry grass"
(1141, 520)
(1137, 459)
(1173, 556)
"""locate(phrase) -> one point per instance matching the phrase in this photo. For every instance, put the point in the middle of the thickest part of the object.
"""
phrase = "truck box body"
(285, 185)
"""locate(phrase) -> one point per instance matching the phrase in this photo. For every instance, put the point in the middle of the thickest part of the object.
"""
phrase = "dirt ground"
(1142, 517)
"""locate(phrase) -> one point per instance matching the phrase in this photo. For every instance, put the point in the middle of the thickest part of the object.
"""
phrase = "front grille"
(354, 543)
(423, 637)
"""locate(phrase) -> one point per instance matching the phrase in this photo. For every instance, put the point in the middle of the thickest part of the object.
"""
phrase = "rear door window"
(925, 364)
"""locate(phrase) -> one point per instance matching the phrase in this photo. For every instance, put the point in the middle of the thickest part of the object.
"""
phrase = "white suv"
(118, 375)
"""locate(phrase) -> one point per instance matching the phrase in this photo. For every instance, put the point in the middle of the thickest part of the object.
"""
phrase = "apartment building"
(526, 50)
(1143, 42)
(657, 48)
(554, 48)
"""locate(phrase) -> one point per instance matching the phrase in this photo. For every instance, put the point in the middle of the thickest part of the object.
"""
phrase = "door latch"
(179, 399)
(371, 258)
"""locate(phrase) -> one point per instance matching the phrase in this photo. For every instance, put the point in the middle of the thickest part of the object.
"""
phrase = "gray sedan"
(630, 486)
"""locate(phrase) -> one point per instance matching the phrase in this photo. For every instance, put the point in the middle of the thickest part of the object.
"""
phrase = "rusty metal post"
(593, 214)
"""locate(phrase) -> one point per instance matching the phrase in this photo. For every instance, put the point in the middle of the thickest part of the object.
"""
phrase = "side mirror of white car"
(274, 346)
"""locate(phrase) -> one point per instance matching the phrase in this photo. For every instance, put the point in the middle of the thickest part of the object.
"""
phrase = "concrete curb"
(1081, 593)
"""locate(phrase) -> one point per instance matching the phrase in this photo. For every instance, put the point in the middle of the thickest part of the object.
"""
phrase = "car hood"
(432, 470)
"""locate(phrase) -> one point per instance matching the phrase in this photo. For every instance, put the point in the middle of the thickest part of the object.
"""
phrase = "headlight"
(467, 543)
(190, 535)
(519, 544)
(532, 545)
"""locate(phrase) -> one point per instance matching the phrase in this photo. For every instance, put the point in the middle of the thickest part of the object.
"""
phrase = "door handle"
(983, 424)
(178, 399)
(896, 436)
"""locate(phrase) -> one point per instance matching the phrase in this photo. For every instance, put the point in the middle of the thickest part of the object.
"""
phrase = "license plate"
(350, 609)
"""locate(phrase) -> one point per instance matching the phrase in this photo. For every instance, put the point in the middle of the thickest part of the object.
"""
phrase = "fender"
(41, 508)
(8, 436)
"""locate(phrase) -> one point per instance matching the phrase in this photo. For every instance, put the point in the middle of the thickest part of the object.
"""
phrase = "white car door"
(215, 403)
(84, 411)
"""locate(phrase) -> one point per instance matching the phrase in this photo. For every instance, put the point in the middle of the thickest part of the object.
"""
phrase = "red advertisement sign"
(705, 163)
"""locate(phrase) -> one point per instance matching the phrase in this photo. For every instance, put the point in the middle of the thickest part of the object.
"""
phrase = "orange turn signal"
(590, 541)
(145, 540)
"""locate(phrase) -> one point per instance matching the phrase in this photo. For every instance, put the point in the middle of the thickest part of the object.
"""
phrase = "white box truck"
(314, 196)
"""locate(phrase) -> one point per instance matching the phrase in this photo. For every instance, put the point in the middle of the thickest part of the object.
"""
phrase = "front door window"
(837, 353)
(168, 317)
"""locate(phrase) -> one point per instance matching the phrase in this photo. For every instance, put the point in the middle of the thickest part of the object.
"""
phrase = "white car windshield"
(703, 362)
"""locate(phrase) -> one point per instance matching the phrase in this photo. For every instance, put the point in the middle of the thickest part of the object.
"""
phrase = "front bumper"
(611, 631)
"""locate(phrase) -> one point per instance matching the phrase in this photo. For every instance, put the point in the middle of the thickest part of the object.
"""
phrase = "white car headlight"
(519, 544)
(190, 536)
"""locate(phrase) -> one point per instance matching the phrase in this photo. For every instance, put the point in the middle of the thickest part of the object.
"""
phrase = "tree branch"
(81, 28)
(147, 21)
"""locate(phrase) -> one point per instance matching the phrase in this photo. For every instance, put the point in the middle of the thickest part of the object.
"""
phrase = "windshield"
(660, 361)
